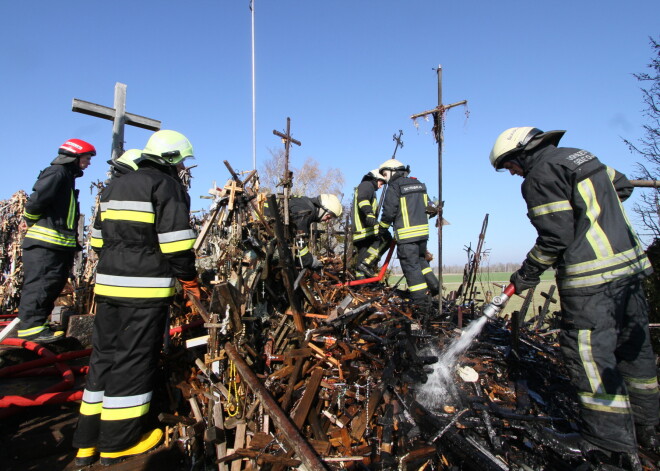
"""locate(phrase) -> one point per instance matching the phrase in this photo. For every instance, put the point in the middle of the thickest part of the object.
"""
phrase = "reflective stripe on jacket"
(364, 204)
(405, 208)
(144, 239)
(51, 211)
(574, 202)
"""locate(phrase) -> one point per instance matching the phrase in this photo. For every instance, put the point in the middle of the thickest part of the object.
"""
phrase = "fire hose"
(495, 306)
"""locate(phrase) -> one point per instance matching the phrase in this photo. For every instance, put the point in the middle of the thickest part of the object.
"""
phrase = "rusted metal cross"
(118, 116)
(398, 140)
(288, 175)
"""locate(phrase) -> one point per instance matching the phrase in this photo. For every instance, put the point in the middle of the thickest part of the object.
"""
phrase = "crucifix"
(438, 116)
(118, 116)
(288, 175)
(399, 142)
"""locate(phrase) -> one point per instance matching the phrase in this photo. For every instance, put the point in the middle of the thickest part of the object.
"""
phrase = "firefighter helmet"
(331, 203)
(130, 157)
(168, 148)
(514, 140)
(387, 168)
(76, 148)
(375, 174)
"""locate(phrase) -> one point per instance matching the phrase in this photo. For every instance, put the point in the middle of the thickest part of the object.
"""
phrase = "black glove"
(370, 221)
(528, 276)
(383, 232)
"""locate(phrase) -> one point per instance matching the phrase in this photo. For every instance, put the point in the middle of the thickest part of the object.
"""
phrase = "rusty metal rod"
(645, 183)
(291, 434)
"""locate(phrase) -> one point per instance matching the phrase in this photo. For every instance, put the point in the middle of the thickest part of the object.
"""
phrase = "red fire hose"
(374, 279)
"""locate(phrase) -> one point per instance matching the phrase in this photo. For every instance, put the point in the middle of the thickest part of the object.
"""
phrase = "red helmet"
(76, 148)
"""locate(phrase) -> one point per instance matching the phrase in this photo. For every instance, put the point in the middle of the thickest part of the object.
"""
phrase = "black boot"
(647, 438)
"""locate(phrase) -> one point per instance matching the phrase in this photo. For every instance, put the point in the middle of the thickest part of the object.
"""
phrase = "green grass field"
(488, 282)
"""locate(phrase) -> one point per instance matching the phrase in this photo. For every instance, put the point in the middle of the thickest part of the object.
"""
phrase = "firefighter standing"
(51, 241)
(574, 202)
(405, 208)
(369, 241)
(145, 241)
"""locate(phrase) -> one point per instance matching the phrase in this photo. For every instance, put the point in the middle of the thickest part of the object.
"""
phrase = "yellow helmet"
(514, 140)
(130, 157)
(331, 203)
(168, 148)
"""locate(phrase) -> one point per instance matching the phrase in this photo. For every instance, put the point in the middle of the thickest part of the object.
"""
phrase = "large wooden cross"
(118, 116)
(286, 181)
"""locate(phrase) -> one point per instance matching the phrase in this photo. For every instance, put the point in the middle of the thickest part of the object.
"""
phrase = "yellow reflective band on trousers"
(51, 236)
(92, 402)
(127, 407)
(642, 385)
(613, 403)
(588, 362)
(32, 331)
(595, 234)
(418, 287)
(554, 207)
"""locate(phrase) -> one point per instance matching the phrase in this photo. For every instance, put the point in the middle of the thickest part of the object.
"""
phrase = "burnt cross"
(399, 142)
(118, 116)
(286, 181)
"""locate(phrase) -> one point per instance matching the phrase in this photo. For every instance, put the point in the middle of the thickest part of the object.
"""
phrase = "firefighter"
(304, 211)
(574, 202)
(51, 241)
(144, 240)
(405, 208)
(370, 243)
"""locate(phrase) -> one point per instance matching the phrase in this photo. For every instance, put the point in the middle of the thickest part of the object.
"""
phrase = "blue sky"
(348, 73)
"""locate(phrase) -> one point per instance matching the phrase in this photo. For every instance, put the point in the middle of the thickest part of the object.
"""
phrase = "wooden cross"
(118, 116)
(286, 182)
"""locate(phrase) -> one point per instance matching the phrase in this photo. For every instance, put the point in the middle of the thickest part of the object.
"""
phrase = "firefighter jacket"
(303, 211)
(52, 211)
(405, 208)
(364, 222)
(574, 202)
(144, 239)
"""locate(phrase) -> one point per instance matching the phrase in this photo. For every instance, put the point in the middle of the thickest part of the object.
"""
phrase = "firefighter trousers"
(371, 249)
(125, 349)
(418, 273)
(45, 274)
(606, 344)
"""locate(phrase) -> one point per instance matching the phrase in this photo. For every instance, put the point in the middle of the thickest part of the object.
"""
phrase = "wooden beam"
(92, 109)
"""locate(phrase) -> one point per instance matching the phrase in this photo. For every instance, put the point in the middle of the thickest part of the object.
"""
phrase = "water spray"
(498, 302)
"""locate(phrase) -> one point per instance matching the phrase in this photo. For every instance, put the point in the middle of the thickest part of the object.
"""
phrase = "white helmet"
(390, 166)
(514, 140)
(375, 174)
(331, 203)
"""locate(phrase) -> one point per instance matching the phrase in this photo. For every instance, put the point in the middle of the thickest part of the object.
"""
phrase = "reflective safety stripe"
(610, 172)
(51, 236)
(404, 213)
(364, 203)
(554, 207)
(135, 216)
(595, 234)
(614, 403)
(303, 252)
(384, 224)
(418, 287)
(427, 270)
(97, 233)
(70, 220)
(414, 231)
(373, 254)
(92, 402)
(137, 211)
(126, 407)
(588, 362)
(630, 256)
(33, 217)
(542, 257)
(606, 277)
(177, 241)
(96, 239)
(133, 287)
(32, 331)
(642, 385)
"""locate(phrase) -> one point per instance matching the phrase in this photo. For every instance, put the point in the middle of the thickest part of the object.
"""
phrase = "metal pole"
(292, 436)
(439, 138)
(254, 98)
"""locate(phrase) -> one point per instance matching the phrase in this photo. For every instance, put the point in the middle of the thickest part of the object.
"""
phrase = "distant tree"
(308, 180)
(648, 147)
